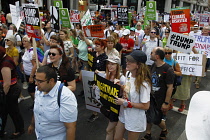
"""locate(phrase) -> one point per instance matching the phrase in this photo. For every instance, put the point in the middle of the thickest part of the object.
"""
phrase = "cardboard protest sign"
(92, 92)
(94, 31)
(180, 20)
(15, 14)
(204, 20)
(180, 42)
(64, 17)
(90, 60)
(202, 44)
(55, 22)
(58, 4)
(191, 64)
(86, 19)
(32, 20)
(108, 92)
(166, 18)
(75, 16)
(122, 15)
(151, 10)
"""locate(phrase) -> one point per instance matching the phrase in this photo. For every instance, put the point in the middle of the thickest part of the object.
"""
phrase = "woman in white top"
(29, 64)
(136, 97)
(68, 46)
(118, 30)
(110, 50)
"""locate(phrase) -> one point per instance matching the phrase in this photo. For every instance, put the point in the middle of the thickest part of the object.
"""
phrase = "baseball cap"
(196, 26)
(126, 32)
(132, 29)
(11, 38)
(114, 59)
(137, 56)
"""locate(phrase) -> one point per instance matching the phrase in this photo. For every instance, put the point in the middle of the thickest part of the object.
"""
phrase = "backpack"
(40, 53)
(59, 94)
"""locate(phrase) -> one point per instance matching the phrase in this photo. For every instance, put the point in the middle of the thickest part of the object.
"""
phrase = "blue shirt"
(49, 118)
(171, 62)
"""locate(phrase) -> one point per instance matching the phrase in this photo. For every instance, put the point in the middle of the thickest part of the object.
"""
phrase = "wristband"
(129, 105)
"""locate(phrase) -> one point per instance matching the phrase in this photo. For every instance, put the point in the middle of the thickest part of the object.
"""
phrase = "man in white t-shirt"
(138, 30)
(47, 35)
(195, 31)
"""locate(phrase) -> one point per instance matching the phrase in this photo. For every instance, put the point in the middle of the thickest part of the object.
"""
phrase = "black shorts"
(31, 86)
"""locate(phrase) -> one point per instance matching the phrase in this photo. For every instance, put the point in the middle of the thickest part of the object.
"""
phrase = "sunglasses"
(7, 40)
(53, 54)
(168, 53)
(153, 32)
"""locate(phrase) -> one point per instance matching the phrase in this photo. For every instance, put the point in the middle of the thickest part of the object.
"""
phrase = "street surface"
(97, 130)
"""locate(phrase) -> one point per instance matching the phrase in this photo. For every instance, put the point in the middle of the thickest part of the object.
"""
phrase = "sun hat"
(114, 59)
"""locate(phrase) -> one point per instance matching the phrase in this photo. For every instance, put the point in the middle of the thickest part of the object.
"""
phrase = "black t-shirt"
(2, 42)
(99, 62)
(118, 47)
(66, 76)
(161, 77)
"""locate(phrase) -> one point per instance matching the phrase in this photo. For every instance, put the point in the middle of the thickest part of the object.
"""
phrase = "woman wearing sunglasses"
(167, 32)
(60, 62)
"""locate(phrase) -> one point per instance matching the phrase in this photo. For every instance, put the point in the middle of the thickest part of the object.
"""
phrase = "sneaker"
(181, 108)
(93, 118)
(163, 135)
(25, 85)
(147, 137)
(20, 99)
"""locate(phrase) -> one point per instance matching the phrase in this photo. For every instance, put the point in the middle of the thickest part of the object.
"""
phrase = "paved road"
(96, 130)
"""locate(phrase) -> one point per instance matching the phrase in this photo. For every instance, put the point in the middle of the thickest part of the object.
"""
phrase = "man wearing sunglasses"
(150, 45)
(54, 118)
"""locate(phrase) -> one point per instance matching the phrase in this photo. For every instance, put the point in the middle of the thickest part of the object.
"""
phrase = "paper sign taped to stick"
(94, 31)
(32, 20)
(191, 64)
(180, 42)
(75, 16)
(202, 44)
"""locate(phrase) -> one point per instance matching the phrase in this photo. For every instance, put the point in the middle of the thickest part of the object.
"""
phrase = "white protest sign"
(202, 44)
(166, 18)
(180, 42)
(86, 19)
(13, 12)
(191, 64)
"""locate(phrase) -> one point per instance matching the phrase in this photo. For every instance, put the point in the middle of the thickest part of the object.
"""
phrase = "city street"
(96, 130)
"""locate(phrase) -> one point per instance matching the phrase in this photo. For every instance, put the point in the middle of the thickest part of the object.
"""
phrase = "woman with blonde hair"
(136, 97)
(110, 50)
(117, 46)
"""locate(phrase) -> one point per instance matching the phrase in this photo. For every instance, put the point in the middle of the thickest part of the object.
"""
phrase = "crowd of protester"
(133, 57)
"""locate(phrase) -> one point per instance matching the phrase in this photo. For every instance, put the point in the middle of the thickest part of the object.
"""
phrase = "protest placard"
(204, 20)
(15, 14)
(108, 92)
(122, 16)
(94, 31)
(86, 19)
(32, 20)
(58, 4)
(91, 91)
(180, 20)
(166, 18)
(64, 17)
(202, 44)
(180, 42)
(75, 16)
(191, 64)
(90, 60)
(54, 14)
(151, 10)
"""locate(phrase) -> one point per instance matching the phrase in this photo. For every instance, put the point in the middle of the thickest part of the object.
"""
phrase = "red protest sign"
(180, 20)
(94, 31)
(75, 16)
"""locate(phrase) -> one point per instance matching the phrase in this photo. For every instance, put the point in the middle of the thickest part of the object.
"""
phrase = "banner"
(122, 15)
(86, 19)
(90, 60)
(94, 31)
(108, 92)
(180, 42)
(75, 16)
(180, 20)
(191, 64)
(58, 4)
(202, 44)
(32, 20)
(151, 10)
(91, 91)
(64, 17)
(204, 20)
(54, 14)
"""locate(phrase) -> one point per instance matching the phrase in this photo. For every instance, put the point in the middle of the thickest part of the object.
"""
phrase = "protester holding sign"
(136, 97)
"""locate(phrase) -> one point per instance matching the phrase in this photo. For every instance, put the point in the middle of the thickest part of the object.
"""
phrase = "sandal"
(163, 135)
(171, 106)
(147, 137)
(181, 108)
(16, 135)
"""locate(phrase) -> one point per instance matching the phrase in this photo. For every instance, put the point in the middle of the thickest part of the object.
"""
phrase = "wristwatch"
(166, 103)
